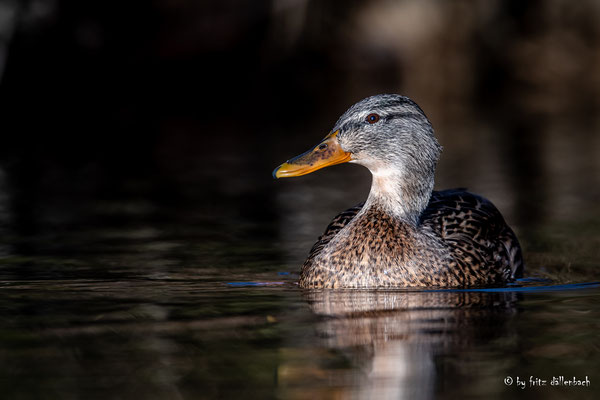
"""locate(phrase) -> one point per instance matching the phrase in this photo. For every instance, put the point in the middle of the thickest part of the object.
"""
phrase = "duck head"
(391, 136)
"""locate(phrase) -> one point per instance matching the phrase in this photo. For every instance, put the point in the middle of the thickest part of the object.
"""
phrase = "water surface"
(185, 305)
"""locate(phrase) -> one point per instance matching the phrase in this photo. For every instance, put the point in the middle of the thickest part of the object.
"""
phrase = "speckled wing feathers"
(476, 232)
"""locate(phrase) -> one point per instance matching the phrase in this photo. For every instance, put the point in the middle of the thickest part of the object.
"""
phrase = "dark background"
(176, 112)
(137, 141)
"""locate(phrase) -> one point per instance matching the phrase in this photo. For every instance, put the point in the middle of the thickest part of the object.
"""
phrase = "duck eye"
(322, 146)
(372, 118)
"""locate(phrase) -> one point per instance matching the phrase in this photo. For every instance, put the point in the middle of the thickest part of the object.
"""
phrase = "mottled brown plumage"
(461, 241)
(404, 234)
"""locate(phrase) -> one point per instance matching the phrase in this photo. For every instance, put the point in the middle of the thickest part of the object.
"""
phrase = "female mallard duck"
(404, 234)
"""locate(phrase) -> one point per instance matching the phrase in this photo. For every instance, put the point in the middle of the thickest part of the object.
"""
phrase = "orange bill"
(328, 152)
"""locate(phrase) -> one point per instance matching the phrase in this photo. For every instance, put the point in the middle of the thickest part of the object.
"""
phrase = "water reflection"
(397, 341)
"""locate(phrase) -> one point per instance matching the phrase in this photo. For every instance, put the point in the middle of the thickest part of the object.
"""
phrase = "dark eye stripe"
(407, 115)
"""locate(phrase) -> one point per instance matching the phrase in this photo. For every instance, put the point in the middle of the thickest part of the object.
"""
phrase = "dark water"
(171, 303)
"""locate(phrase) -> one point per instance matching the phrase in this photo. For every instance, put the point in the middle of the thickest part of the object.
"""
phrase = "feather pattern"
(464, 241)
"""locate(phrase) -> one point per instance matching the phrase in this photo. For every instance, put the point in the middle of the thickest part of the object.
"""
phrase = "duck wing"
(476, 233)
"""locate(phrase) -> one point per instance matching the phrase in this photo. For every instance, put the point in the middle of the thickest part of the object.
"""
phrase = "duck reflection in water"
(397, 341)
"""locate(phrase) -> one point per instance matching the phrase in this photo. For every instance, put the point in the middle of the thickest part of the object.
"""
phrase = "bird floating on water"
(404, 234)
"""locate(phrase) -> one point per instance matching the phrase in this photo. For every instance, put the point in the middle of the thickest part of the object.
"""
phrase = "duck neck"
(398, 195)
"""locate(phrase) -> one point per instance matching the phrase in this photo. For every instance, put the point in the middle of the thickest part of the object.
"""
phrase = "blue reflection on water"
(513, 288)
(547, 288)
(242, 284)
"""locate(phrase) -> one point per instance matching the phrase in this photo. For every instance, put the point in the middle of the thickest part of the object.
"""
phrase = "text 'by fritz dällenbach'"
(533, 381)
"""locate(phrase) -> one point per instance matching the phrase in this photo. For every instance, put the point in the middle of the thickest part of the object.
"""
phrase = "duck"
(405, 234)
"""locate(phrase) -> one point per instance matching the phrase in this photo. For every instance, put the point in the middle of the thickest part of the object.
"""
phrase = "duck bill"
(327, 152)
